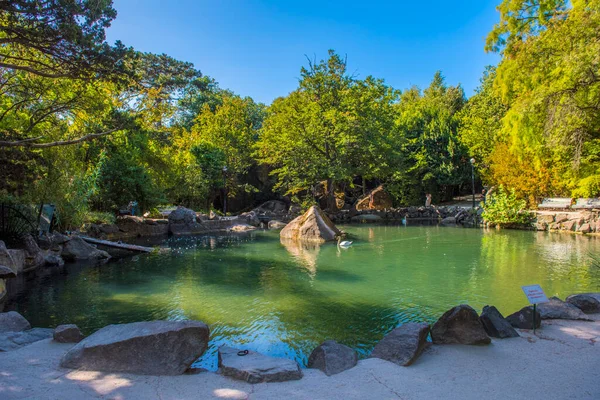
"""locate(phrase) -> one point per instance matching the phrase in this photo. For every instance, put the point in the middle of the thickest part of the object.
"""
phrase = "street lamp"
(224, 190)
(472, 160)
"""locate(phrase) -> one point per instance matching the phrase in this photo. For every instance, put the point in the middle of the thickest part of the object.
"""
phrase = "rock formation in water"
(313, 226)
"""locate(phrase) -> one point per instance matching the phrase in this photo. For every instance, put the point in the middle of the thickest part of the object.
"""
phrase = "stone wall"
(585, 222)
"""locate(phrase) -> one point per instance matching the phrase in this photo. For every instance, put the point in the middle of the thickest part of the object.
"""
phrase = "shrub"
(504, 208)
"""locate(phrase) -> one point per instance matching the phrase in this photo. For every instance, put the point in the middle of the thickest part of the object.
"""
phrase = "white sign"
(535, 294)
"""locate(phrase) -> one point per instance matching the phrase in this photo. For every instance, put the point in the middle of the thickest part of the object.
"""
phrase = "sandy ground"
(561, 362)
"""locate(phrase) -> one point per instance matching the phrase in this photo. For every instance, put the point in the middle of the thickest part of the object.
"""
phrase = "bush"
(503, 208)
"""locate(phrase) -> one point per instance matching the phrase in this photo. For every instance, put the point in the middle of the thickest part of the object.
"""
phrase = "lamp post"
(225, 190)
(472, 160)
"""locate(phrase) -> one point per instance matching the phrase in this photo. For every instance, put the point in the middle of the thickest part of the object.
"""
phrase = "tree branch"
(29, 142)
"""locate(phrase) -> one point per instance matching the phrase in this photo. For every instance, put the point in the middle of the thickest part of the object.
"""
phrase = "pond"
(283, 300)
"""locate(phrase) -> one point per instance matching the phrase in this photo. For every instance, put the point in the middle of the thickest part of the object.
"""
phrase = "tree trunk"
(331, 203)
(364, 185)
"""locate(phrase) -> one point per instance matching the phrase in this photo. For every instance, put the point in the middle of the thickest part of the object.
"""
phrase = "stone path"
(562, 361)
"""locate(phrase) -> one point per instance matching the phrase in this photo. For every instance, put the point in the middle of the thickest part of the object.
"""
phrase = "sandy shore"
(561, 362)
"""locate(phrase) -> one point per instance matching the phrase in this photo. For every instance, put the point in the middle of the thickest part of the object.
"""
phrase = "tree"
(211, 160)
(327, 129)
(481, 121)
(549, 78)
(436, 161)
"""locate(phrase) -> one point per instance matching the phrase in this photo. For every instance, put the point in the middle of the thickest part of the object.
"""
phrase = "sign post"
(535, 294)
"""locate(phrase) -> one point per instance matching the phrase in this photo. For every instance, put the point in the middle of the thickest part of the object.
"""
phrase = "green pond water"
(283, 300)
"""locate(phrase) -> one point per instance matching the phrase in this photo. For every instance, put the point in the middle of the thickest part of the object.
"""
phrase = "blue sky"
(256, 48)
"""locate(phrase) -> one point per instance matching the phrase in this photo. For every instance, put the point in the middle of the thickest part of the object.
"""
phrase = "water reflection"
(306, 253)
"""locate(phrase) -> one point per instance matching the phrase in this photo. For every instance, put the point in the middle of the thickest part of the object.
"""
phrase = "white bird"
(343, 244)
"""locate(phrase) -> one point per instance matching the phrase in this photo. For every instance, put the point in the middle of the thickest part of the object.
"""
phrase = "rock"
(34, 258)
(403, 345)
(332, 357)
(560, 218)
(12, 321)
(146, 348)
(495, 324)
(255, 367)
(366, 218)
(69, 333)
(459, 325)
(14, 340)
(585, 228)
(212, 215)
(448, 221)
(545, 218)
(7, 273)
(6, 258)
(242, 228)
(377, 199)
(313, 226)
(78, 249)
(589, 303)
(53, 260)
(555, 308)
(182, 215)
(275, 224)
(569, 225)
(523, 319)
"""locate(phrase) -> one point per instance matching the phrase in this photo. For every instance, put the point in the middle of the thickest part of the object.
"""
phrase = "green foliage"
(436, 161)
(503, 208)
(332, 128)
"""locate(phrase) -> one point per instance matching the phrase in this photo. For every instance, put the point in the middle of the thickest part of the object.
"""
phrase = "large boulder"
(79, 249)
(403, 345)
(14, 340)
(12, 321)
(377, 199)
(146, 348)
(312, 226)
(495, 324)
(589, 303)
(523, 319)
(254, 367)
(459, 325)
(182, 215)
(68, 333)
(332, 357)
(555, 308)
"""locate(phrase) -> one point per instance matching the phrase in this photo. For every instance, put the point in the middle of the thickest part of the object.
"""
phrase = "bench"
(587, 204)
(559, 203)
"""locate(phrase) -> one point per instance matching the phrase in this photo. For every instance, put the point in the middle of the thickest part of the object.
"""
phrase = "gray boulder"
(523, 319)
(495, 324)
(459, 325)
(145, 348)
(53, 260)
(332, 357)
(182, 215)
(256, 368)
(79, 249)
(403, 345)
(6, 258)
(12, 321)
(14, 340)
(68, 333)
(275, 224)
(555, 308)
(241, 228)
(589, 303)
(34, 257)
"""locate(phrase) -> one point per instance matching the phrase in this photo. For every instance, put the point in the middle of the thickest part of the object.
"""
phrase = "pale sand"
(562, 362)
